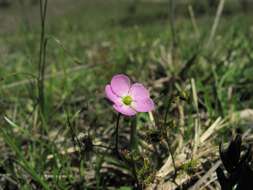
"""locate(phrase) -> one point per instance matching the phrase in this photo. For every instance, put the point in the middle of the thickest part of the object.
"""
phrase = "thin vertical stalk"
(117, 134)
(167, 103)
(134, 149)
(172, 20)
(194, 22)
(174, 165)
(197, 120)
(133, 135)
(134, 170)
(173, 28)
(216, 22)
(42, 56)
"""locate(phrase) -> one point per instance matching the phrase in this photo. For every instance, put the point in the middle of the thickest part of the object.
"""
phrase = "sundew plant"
(126, 95)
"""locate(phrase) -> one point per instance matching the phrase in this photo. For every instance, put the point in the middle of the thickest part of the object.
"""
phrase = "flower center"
(127, 100)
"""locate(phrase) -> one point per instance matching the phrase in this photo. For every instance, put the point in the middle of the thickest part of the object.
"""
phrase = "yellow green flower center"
(127, 100)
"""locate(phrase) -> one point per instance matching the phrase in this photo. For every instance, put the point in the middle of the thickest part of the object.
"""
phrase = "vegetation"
(57, 128)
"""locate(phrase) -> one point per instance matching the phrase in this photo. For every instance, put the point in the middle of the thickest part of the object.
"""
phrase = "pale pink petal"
(120, 85)
(138, 92)
(111, 96)
(144, 105)
(125, 110)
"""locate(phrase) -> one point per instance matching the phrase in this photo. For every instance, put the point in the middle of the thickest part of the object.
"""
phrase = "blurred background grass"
(111, 37)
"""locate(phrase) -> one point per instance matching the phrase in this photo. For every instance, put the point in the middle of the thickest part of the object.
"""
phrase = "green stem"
(133, 136)
(42, 54)
(117, 134)
(134, 170)
(173, 162)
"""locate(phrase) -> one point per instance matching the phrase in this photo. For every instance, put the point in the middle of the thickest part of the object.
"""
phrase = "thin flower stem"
(134, 170)
(117, 134)
(173, 163)
(133, 136)
(167, 108)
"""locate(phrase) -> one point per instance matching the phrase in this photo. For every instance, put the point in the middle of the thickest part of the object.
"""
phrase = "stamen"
(127, 100)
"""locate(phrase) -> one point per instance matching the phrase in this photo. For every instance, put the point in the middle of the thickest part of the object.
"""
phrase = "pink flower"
(128, 99)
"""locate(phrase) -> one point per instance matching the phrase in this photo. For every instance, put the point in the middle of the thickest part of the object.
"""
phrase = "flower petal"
(125, 110)
(138, 92)
(145, 105)
(111, 96)
(120, 85)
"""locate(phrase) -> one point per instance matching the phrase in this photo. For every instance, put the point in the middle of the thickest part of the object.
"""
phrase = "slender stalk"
(42, 55)
(134, 170)
(167, 108)
(173, 28)
(172, 21)
(173, 180)
(194, 22)
(216, 22)
(117, 134)
(133, 136)
(173, 161)
(166, 114)
(74, 137)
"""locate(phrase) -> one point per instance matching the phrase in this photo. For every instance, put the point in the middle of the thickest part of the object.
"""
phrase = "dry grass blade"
(197, 120)
(193, 20)
(216, 22)
(205, 148)
(219, 123)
